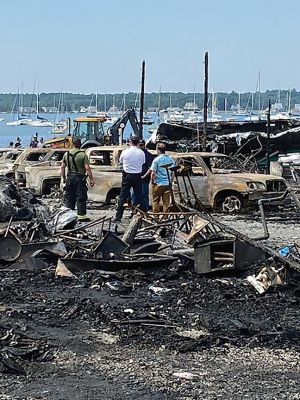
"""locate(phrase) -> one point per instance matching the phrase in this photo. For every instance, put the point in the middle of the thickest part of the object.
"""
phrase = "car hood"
(247, 177)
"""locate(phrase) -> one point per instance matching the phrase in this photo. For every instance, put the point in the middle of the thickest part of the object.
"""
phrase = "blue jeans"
(145, 193)
(134, 182)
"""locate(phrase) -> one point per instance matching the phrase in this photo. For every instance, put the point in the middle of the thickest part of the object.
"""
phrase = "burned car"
(221, 184)
(38, 169)
(107, 172)
(217, 181)
(8, 157)
(42, 171)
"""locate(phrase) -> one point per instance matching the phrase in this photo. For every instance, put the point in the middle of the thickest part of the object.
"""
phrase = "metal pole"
(142, 100)
(268, 136)
(205, 101)
(69, 126)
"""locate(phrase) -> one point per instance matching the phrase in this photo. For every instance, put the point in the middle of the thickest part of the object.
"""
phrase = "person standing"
(160, 179)
(34, 142)
(145, 176)
(77, 163)
(41, 143)
(18, 142)
(132, 159)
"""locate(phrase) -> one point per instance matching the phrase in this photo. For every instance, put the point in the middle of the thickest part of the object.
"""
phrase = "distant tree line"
(72, 101)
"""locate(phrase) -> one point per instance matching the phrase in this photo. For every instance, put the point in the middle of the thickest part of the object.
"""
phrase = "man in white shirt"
(41, 143)
(132, 159)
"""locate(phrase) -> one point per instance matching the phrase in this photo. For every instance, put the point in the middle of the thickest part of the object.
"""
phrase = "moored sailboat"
(21, 118)
(39, 122)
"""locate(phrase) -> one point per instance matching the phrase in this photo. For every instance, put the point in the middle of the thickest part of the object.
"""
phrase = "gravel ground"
(282, 233)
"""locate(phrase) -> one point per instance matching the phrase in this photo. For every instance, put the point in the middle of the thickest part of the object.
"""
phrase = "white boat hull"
(41, 123)
(19, 122)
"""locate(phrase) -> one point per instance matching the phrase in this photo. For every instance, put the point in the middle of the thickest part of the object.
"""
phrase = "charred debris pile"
(181, 280)
(244, 139)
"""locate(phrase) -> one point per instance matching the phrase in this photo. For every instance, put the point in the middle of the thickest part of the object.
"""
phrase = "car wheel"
(231, 203)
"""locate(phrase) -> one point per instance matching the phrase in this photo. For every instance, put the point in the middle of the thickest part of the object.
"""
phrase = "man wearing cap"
(77, 163)
(132, 159)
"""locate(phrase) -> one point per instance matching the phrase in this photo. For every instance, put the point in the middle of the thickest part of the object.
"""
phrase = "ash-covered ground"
(168, 334)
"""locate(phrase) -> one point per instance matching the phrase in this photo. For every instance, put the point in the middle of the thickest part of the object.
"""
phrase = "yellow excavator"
(91, 131)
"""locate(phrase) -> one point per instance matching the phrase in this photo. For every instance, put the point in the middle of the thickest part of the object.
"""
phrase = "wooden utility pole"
(142, 100)
(205, 102)
(268, 137)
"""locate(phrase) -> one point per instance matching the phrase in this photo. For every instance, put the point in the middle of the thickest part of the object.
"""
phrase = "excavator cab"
(90, 130)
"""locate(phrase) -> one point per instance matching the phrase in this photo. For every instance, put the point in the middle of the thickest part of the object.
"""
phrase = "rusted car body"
(8, 157)
(40, 167)
(107, 172)
(220, 184)
(41, 176)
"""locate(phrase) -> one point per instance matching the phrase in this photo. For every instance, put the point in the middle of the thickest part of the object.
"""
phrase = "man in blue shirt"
(159, 178)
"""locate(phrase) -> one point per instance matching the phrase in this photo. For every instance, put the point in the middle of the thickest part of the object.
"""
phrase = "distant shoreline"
(53, 102)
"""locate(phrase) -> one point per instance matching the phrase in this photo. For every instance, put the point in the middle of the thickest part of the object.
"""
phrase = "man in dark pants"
(132, 159)
(145, 177)
(77, 163)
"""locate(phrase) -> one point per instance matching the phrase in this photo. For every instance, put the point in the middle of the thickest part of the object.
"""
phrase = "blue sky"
(90, 45)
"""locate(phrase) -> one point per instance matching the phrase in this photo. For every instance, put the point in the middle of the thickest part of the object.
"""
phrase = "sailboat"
(39, 122)
(60, 125)
(21, 118)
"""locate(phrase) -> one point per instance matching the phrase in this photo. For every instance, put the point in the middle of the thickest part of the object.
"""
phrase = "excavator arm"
(116, 130)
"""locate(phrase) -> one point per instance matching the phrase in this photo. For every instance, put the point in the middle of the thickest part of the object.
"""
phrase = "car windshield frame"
(228, 166)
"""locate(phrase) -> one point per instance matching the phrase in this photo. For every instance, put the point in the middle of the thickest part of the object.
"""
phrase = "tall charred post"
(205, 101)
(268, 136)
(142, 97)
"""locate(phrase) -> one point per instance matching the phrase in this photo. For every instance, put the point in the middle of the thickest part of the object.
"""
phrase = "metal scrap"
(267, 277)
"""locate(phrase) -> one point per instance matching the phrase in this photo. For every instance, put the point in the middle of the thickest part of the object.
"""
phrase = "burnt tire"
(230, 203)
(113, 197)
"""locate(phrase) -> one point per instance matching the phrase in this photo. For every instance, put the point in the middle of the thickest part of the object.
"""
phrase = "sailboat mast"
(15, 103)
(21, 99)
(37, 104)
(55, 113)
(259, 106)
(159, 94)
(18, 101)
(289, 99)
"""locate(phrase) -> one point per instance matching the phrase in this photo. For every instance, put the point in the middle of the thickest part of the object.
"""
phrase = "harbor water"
(10, 133)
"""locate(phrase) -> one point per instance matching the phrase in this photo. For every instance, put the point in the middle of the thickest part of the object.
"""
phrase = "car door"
(107, 174)
(192, 181)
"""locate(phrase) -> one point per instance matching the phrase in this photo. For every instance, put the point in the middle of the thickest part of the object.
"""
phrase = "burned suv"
(8, 157)
(39, 170)
(219, 182)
